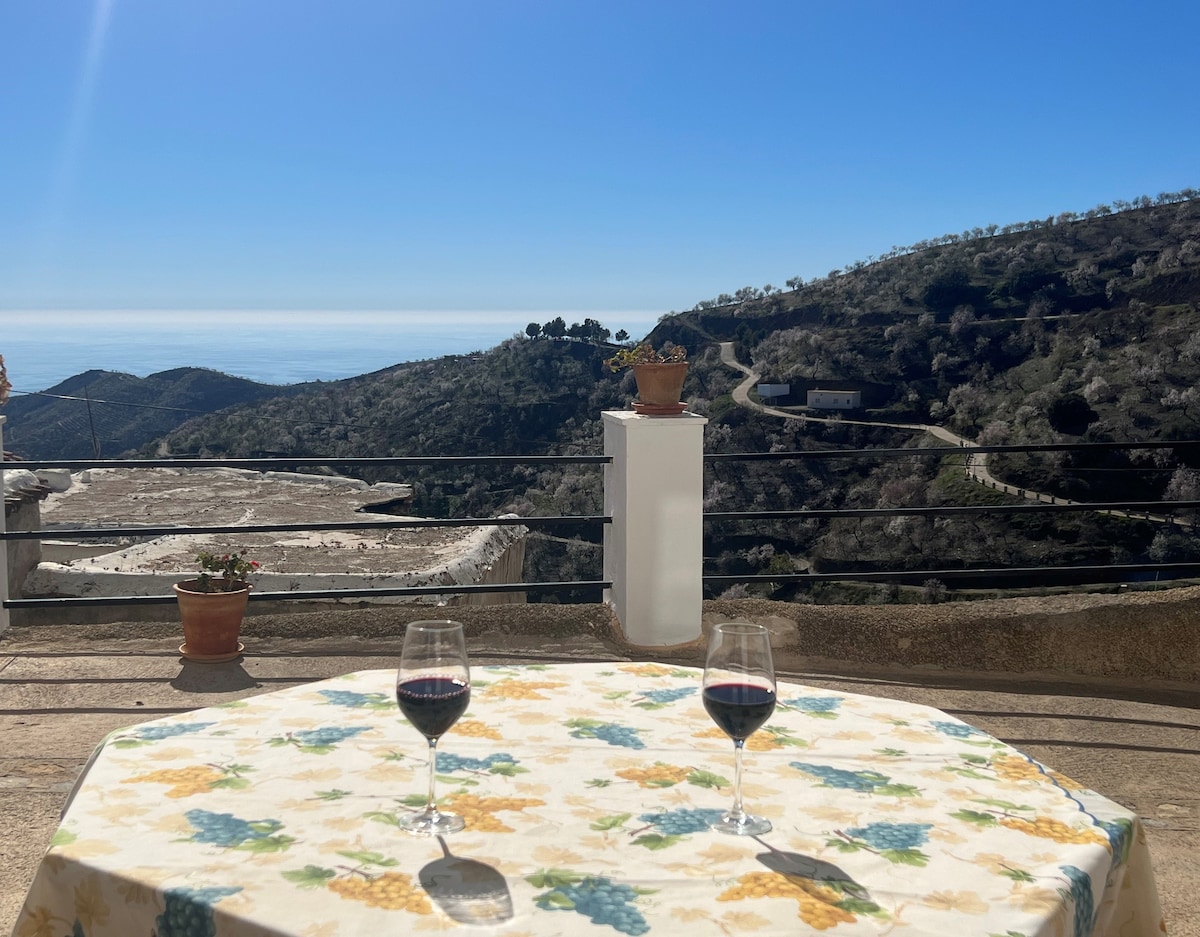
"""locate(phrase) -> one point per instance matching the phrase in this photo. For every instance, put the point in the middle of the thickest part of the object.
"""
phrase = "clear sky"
(568, 155)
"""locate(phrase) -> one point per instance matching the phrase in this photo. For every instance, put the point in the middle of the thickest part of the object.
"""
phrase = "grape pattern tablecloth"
(587, 790)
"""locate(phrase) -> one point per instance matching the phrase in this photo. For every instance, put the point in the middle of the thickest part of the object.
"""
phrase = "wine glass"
(433, 688)
(739, 694)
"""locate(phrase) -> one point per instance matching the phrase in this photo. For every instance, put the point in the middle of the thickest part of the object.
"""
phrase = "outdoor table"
(587, 790)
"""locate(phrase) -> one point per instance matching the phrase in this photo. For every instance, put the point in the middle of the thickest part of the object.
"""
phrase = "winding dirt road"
(976, 462)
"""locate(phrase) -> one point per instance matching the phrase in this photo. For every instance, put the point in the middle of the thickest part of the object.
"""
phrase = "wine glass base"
(745, 825)
(432, 824)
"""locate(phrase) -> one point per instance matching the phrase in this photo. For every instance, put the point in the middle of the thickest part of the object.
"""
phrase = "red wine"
(739, 708)
(433, 704)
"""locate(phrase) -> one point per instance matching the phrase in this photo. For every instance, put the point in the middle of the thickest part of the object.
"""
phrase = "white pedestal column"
(653, 549)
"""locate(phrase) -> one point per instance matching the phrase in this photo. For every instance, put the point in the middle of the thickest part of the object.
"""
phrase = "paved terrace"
(1134, 738)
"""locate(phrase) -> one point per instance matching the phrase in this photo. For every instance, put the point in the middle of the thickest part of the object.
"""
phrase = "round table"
(587, 790)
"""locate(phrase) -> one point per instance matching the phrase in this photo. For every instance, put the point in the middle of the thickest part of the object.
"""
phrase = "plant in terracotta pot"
(211, 607)
(659, 376)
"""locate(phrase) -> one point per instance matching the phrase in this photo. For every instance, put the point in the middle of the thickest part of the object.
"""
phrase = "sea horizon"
(42, 348)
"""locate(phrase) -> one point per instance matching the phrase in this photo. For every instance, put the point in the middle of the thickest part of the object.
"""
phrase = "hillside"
(1069, 329)
(106, 414)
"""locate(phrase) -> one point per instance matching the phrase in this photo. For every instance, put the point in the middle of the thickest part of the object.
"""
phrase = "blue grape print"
(669, 696)
(160, 732)
(883, 836)
(448, 762)
(814, 704)
(958, 730)
(1120, 837)
(188, 912)
(224, 829)
(683, 820)
(864, 781)
(1081, 895)
(357, 700)
(328, 735)
(601, 901)
(608, 732)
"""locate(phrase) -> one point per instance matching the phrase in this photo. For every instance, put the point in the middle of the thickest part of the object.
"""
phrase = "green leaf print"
(369, 858)
(968, 773)
(553, 878)
(613, 822)
(906, 857)
(335, 794)
(554, 899)
(63, 837)
(1001, 804)
(657, 841)
(898, 790)
(862, 906)
(599, 782)
(707, 779)
(230, 783)
(311, 876)
(267, 844)
(507, 769)
(1017, 875)
(974, 816)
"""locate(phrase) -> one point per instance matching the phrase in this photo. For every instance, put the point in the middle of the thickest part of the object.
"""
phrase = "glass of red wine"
(739, 694)
(433, 688)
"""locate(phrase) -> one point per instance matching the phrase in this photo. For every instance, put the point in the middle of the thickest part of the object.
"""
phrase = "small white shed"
(835, 399)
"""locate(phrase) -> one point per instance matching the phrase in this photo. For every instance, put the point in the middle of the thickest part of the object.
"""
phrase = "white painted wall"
(653, 549)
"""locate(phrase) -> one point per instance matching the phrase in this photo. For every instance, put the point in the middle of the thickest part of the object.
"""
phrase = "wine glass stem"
(431, 804)
(737, 812)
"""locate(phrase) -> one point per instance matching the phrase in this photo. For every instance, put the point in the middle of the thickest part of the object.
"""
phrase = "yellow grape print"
(393, 891)
(817, 904)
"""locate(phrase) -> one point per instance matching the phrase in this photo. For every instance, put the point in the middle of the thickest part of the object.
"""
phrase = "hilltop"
(106, 414)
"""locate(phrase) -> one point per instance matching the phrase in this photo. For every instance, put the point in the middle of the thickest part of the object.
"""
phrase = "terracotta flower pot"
(659, 387)
(212, 621)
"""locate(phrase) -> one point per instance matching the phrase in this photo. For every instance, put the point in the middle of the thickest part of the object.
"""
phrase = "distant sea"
(42, 348)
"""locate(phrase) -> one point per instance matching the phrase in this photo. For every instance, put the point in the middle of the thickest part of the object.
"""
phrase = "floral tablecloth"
(587, 789)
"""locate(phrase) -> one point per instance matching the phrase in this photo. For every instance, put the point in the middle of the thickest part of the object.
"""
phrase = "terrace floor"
(64, 687)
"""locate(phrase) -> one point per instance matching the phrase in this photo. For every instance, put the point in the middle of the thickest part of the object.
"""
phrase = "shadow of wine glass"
(469, 891)
(816, 870)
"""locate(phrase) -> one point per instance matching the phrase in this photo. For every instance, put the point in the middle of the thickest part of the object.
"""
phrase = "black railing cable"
(103, 533)
(394, 591)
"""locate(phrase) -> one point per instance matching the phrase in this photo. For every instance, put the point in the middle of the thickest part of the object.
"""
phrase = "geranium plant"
(646, 354)
(233, 569)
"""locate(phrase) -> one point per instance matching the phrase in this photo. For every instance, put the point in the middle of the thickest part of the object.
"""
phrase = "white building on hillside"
(835, 399)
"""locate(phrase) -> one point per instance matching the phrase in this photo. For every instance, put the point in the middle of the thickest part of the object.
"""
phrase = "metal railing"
(399, 523)
(1158, 511)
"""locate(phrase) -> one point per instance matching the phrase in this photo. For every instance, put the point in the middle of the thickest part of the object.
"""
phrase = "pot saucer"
(658, 409)
(211, 658)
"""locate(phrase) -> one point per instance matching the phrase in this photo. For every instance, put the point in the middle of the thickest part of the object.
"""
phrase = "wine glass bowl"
(433, 689)
(739, 695)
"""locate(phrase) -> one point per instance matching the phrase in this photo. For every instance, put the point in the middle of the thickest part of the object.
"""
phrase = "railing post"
(3, 527)
(653, 549)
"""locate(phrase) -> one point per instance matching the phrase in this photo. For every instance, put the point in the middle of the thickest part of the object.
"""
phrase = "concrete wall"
(22, 555)
(510, 567)
(1138, 637)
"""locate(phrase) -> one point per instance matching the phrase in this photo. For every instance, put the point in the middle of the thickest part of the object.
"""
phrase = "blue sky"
(570, 155)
